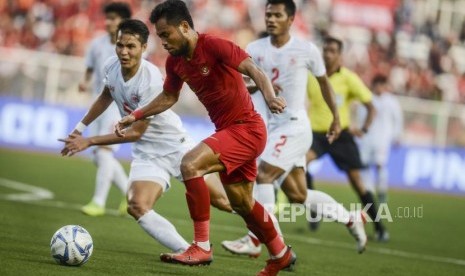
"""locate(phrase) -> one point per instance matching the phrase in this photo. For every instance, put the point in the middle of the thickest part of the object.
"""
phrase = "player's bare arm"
(328, 95)
(98, 107)
(76, 143)
(162, 102)
(252, 87)
(368, 120)
(263, 83)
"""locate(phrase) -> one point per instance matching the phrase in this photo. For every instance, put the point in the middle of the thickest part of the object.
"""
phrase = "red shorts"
(239, 145)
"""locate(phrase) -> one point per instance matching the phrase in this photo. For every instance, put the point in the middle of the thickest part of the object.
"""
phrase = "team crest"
(204, 70)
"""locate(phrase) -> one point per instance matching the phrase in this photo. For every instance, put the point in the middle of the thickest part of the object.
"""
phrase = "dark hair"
(121, 9)
(174, 11)
(379, 79)
(289, 5)
(135, 27)
(331, 39)
(263, 34)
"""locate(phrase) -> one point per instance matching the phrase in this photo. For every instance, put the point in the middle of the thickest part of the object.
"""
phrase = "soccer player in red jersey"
(212, 68)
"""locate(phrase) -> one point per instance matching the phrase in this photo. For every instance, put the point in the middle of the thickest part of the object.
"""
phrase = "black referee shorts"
(343, 151)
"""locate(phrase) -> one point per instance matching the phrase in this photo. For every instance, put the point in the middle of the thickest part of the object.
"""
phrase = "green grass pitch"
(431, 245)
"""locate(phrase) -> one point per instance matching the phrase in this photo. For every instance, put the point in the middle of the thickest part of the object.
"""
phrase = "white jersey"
(288, 67)
(386, 127)
(387, 123)
(99, 51)
(165, 133)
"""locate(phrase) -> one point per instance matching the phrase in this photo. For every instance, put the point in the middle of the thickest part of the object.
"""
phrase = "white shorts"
(288, 144)
(374, 154)
(105, 123)
(159, 169)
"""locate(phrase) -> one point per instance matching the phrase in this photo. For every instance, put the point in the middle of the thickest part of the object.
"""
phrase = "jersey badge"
(204, 70)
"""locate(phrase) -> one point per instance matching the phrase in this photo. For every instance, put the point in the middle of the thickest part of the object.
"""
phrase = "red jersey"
(212, 75)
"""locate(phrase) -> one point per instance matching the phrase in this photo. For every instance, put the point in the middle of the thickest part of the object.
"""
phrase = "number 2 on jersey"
(279, 145)
(275, 72)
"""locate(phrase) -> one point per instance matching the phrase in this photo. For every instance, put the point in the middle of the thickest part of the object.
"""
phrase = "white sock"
(119, 176)
(266, 197)
(103, 160)
(163, 231)
(205, 245)
(324, 204)
(367, 178)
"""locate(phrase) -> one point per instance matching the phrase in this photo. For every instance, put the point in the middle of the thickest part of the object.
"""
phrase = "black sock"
(366, 199)
(309, 178)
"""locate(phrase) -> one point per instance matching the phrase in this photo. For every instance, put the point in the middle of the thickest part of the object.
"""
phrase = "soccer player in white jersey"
(108, 167)
(287, 60)
(160, 141)
(385, 130)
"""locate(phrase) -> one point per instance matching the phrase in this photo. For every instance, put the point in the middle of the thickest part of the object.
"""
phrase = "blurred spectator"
(413, 53)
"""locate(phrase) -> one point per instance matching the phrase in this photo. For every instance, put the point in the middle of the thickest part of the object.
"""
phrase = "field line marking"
(29, 199)
(30, 193)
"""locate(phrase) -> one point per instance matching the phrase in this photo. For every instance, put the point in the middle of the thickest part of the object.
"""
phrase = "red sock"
(260, 223)
(198, 201)
(254, 240)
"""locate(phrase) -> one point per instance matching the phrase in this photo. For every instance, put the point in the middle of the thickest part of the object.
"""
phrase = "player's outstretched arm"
(328, 96)
(75, 143)
(98, 107)
(263, 83)
(161, 103)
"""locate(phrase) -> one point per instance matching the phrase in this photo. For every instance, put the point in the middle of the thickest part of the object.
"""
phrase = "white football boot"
(356, 228)
(242, 246)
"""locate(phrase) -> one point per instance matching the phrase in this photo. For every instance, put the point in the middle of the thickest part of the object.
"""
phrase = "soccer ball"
(71, 245)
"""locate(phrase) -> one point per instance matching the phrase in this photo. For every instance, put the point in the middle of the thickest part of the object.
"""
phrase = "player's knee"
(136, 209)
(297, 198)
(188, 167)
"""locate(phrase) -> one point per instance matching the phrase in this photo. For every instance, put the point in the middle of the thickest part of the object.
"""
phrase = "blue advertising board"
(37, 126)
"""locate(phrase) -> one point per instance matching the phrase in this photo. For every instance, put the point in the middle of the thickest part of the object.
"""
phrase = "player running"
(375, 145)
(344, 151)
(160, 141)
(108, 167)
(212, 68)
(287, 61)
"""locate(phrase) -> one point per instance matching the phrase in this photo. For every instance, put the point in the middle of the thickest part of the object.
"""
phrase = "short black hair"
(332, 39)
(120, 8)
(135, 27)
(379, 79)
(174, 11)
(289, 5)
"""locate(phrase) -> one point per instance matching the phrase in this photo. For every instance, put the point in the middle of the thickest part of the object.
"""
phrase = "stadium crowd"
(419, 61)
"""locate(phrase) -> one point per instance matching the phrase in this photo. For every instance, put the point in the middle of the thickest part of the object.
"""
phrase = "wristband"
(364, 130)
(80, 127)
(138, 114)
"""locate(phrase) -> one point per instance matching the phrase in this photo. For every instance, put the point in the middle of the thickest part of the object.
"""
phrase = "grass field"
(431, 245)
